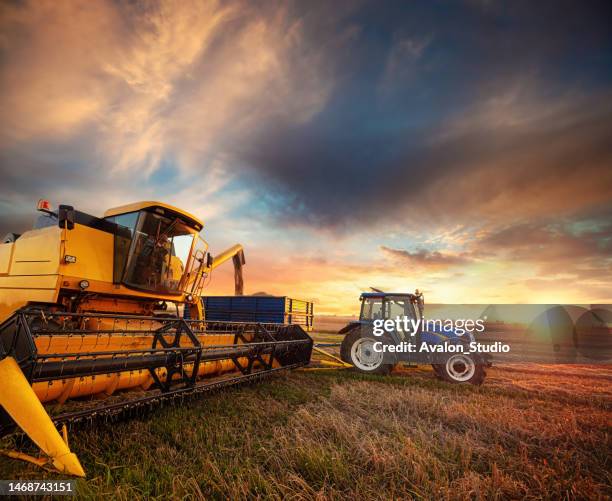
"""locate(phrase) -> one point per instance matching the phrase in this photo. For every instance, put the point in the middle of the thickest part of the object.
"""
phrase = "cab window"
(126, 223)
(372, 309)
(158, 254)
(399, 306)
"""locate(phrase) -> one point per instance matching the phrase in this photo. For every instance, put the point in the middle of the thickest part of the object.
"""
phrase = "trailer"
(262, 309)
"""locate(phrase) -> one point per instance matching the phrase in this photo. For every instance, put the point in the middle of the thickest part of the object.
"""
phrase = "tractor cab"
(386, 305)
(372, 352)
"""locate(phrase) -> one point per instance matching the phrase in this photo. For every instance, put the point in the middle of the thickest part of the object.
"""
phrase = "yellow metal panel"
(29, 282)
(93, 250)
(16, 292)
(34, 267)
(6, 251)
(37, 252)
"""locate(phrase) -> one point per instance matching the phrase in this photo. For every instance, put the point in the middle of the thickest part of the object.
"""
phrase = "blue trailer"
(263, 309)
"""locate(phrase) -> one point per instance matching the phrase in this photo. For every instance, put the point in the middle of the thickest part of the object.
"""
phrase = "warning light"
(44, 205)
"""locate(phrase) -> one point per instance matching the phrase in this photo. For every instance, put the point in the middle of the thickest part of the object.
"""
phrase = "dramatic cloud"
(389, 143)
(510, 159)
(163, 88)
(579, 252)
(425, 258)
(464, 125)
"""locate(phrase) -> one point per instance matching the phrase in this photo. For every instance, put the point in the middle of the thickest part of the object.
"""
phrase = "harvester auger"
(84, 312)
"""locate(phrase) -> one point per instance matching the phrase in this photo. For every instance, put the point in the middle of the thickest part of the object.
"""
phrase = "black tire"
(346, 353)
(345, 347)
(461, 368)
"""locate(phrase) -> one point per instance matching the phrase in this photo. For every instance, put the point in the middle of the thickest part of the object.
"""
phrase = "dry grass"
(530, 432)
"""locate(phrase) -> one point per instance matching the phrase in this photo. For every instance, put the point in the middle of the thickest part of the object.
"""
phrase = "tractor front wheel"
(358, 350)
(460, 368)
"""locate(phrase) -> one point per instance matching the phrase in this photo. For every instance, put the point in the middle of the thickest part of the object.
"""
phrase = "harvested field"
(533, 432)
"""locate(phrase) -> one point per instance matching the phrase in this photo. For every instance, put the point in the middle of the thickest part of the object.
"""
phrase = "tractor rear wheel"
(357, 349)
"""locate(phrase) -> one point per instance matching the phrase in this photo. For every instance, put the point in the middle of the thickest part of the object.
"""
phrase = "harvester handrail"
(126, 316)
(120, 316)
(83, 332)
(94, 354)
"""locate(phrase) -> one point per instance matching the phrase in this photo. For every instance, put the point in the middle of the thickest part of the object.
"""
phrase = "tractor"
(364, 350)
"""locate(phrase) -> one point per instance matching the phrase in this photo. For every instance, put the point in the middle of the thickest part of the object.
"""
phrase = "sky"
(462, 148)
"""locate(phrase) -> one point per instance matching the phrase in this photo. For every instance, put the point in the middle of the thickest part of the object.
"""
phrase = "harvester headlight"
(189, 298)
(69, 259)
(83, 284)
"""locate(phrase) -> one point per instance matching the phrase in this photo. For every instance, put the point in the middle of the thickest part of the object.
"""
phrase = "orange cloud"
(168, 78)
(426, 258)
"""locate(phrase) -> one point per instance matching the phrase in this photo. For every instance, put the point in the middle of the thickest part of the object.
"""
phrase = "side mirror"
(209, 260)
(65, 216)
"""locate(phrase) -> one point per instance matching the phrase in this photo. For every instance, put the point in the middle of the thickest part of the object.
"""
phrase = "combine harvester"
(107, 311)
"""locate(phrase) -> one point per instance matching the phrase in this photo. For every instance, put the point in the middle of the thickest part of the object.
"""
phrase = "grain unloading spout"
(236, 254)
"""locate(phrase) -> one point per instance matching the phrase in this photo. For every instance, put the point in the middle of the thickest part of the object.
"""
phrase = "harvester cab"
(366, 351)
(84, 314)
(133, 258)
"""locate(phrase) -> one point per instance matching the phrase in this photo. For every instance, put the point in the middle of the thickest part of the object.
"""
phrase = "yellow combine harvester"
(108, 310)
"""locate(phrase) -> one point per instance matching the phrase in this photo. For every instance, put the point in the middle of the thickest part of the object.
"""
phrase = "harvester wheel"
(460, 368)
(358, 350)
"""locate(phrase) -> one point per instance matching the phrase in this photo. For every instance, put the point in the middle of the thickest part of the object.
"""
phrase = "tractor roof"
(136, 206)
(385, 294)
